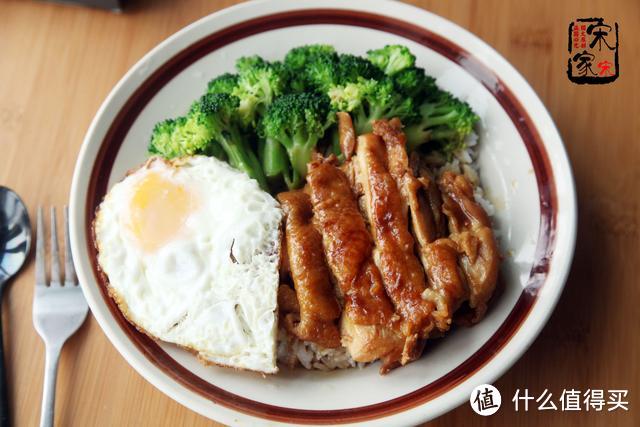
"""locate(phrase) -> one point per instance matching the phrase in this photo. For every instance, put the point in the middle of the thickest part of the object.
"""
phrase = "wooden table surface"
(58, 62)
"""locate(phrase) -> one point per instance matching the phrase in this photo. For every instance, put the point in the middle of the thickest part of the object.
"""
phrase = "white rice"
(464, 162)
(292, 351)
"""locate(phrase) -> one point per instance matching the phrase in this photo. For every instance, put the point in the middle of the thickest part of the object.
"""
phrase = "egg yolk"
(158, 209)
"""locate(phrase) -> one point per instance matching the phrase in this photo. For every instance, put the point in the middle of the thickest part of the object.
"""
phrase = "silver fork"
(58, 308)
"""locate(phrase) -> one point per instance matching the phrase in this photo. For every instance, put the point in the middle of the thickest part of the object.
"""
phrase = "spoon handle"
(4, 394)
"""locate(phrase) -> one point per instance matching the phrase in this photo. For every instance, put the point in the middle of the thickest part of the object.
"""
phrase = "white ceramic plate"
(524, 169)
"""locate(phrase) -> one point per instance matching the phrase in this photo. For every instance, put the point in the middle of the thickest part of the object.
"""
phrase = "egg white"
(212, 287)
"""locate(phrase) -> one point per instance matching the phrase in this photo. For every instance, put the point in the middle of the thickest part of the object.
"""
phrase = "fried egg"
(191, 248)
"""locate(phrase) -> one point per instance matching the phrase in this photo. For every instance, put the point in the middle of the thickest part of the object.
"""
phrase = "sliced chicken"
(447, 285)
(318, 307)
(367, 323)
(403, 276)
(347, 135)
(410, 187)
(368, 343)
(430, 203)
(421, 199)
(381, 238)
(471, 230)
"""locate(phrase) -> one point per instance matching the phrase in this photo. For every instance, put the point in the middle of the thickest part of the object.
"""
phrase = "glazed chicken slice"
(368, 322)
(402, 274)
(447, 285)
(347, 135)
(430, 203)
(420, 196)
(317, 305)
(411, 188)
(471, 230)
(347, 139)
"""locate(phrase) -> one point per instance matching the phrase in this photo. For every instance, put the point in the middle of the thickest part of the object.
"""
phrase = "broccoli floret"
(317, 68)
(298, 122)
(161, 140)
(327, 70)
(351, 68)
(369, 100)
(212, 128)
(298, 57)
(415, 83)
(224, 83)
(248, 63)
(183, 136)
(259, 83)
(310, 67)
(320, 73)
(218, 113)
(392, 58)
(445, 120)
(268, 118)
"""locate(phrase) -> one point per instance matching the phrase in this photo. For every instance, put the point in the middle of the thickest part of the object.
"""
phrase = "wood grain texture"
(57, 64)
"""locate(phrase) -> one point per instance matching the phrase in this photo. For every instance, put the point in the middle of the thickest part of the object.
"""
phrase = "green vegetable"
(323, 68)
(259, 83)
(445, 120)
(414, 83)
(269, 117)
(298, 57)
(351, 68)
(184, 136)
(162, 142)
(392, 58)
(369, 100)
(310, 66)
(246, 64)
(274, 159)
(218, 114)
(297, 122)
(224, 83)
(321, 73)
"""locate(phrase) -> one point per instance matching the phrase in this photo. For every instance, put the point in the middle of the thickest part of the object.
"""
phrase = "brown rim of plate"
(539, 158)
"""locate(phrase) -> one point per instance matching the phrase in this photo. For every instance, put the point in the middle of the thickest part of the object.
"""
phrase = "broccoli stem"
(335, 148)
(416, 136)
(300, 155)
(362, 122)
(293, 179)
(274, 159)
(214, 149)
(243, 158)
(440, 116)
(299, 147)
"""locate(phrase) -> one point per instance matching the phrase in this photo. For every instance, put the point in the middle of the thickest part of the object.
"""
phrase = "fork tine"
(41, 276)
(55, 253)
(69, 271)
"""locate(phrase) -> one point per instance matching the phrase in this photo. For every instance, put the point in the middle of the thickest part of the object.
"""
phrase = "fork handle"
(49, 387)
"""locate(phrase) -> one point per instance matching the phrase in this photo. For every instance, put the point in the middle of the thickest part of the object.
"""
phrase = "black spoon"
(15, 243)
